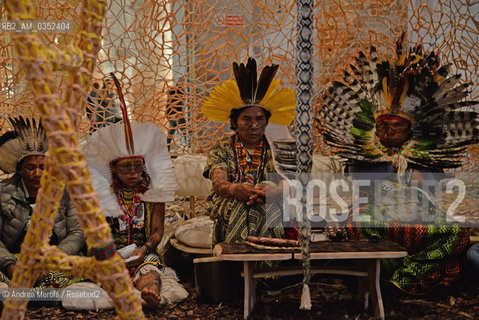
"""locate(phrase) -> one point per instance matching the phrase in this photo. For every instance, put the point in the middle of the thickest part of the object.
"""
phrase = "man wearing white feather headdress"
(22, 152)
(238, 165)
(133, 176)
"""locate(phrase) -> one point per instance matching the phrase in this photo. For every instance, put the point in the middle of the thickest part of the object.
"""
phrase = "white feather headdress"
(120, 140)
(108, 144)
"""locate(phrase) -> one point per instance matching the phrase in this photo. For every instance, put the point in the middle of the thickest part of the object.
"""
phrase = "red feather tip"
(130, 145)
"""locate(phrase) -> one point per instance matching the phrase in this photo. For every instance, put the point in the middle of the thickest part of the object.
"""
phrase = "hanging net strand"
(65, 165)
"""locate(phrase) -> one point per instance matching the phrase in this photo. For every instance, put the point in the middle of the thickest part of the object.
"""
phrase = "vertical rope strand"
(304, 128)
(65, 165)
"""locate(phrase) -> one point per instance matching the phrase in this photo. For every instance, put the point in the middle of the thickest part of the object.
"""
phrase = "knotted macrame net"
(169, 54)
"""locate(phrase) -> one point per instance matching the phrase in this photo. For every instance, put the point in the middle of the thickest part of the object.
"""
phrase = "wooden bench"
(365, 254)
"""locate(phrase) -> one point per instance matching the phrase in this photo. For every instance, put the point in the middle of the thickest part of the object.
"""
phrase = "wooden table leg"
(374, 289)
(363, 284)
(249, 288)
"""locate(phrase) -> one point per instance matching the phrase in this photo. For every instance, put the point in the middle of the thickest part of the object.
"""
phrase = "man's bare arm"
(221, 185)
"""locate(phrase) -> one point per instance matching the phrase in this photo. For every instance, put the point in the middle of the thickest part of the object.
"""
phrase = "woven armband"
(104, 252)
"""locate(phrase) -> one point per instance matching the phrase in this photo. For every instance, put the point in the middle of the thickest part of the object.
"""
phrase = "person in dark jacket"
(22, 153)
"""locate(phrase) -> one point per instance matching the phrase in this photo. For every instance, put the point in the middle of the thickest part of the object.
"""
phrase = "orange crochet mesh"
(64, 162)
(187, 47)
(168, 55)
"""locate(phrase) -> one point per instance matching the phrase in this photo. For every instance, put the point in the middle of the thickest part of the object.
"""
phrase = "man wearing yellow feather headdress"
(239, 164)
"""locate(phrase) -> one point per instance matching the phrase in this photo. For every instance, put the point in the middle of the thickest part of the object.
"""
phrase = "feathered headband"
(248, 90)
(415, 87)
(117, 141)
(28, 138)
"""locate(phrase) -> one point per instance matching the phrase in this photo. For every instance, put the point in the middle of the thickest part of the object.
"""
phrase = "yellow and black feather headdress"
(248, 90)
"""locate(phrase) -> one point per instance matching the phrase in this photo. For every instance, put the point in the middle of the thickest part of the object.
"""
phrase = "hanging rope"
(65, 165)
(304, 129)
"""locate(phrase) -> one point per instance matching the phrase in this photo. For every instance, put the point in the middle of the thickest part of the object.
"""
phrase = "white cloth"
(189, 175)
(196, 232)
(171, 292)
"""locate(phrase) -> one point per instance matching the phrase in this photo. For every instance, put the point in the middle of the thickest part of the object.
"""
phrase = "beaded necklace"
(127, 201)
(248, 169)
(390, 151)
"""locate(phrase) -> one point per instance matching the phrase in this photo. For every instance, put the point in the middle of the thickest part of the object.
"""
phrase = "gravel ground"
(332, 298)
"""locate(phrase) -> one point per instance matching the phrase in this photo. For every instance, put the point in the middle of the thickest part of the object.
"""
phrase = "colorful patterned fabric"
(435, 250)
(53, 279)
(234, 220)
(133, 210)
(151, 262)
(138, 235)
(104, 252)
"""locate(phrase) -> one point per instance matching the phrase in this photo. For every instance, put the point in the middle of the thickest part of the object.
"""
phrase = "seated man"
(387, 119)
(238, 165)
(435, 249)
(22, 152)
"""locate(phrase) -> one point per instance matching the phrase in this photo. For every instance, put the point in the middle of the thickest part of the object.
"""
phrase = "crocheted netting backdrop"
(168, 55)
(171, 53)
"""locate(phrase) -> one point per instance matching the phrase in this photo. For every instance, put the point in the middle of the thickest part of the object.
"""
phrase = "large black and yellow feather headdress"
(414, 86)
(248, 90)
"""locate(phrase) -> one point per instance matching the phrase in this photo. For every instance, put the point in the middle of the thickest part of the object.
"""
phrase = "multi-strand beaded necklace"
(129, 202)
(390, 151)
(247, 168)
